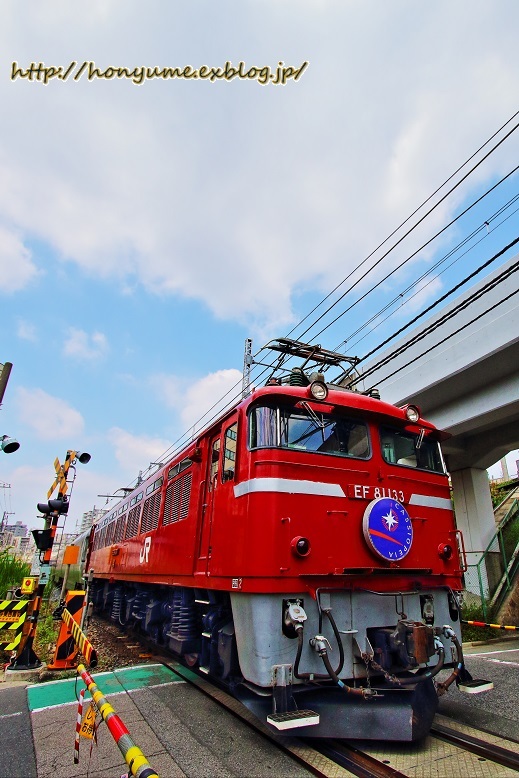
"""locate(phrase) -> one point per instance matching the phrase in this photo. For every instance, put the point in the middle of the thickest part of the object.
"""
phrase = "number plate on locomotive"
(363, 492)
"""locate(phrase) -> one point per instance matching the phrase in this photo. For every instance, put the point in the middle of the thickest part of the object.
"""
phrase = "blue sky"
(147, 230)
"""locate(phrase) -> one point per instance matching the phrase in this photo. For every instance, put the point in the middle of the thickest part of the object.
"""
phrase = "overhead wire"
(405, 261)
(447, 337)
(478, 294)
(181, 441)
(402, 224)
(439, 300)
(422, 218)
(383, 321)
(485, 226)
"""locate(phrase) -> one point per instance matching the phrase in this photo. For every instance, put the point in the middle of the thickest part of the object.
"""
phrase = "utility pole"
(247, 364)
(3, 523)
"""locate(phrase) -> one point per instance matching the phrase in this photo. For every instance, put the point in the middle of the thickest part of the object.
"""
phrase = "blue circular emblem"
(387, 529)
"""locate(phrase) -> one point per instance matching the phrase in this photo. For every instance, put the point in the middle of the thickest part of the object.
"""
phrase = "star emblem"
(390, 521)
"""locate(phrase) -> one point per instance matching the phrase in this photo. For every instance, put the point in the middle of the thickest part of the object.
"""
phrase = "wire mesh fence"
(487, 582)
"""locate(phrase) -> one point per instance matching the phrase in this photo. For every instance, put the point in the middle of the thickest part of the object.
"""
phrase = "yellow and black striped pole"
(493, 626)
(71, 635)
(137, 763)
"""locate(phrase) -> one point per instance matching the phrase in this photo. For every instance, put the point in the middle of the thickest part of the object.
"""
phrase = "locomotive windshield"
(411, 450)
(307, 430)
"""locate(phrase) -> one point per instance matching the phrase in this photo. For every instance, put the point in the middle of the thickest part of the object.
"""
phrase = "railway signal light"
(42, 538)
(59, 506)
(8, 445)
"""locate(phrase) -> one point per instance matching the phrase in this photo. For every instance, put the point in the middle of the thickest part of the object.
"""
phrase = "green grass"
(12, 572)
(474, 612)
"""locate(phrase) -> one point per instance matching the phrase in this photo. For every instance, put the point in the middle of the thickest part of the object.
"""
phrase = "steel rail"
(356, 761)
(314, 760)
(493, 753)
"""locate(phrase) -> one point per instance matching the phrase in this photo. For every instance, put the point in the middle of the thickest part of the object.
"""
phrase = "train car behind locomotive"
(303, 552)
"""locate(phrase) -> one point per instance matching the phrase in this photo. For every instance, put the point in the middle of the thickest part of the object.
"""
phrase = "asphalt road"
(186, 734)
(496, 710)
(17, 755)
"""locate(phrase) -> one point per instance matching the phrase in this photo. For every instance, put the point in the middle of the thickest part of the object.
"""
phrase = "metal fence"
(488, 581)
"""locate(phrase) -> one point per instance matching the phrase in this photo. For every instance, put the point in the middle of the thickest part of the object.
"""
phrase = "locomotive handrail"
(463, 554)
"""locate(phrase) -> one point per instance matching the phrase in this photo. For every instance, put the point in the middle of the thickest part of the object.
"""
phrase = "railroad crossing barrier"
(71, 638)
(493, 626)
(133, 756)
(13, 614)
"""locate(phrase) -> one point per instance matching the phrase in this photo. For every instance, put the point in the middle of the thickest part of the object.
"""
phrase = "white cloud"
(134, 452)
(30, 483)
(423, 294)
(50, 417)
(17, 269)
(275, 190)
(26, 331)
(202, 400)
(80, 345)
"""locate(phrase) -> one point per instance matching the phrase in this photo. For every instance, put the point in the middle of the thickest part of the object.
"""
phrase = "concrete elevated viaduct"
(464, 375)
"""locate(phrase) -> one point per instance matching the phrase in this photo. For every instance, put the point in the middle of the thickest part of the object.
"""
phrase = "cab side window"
(229, 454)
(215, 462)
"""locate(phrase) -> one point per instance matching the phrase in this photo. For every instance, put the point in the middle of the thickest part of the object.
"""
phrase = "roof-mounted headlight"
(318, 390)
(412, 413)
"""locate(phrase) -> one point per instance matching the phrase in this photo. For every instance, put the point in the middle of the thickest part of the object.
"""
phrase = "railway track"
(451, 749)
(477, 745)
(329, 758)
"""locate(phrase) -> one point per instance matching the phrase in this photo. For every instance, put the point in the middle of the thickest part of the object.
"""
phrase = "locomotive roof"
(284, 394)
(279, 385)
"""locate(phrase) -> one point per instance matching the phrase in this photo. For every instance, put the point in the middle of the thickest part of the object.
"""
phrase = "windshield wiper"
(319, 423)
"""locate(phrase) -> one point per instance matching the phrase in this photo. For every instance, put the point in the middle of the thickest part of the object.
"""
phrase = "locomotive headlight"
(412, 413)
(444, 551)
(318, 390)
(300, 546)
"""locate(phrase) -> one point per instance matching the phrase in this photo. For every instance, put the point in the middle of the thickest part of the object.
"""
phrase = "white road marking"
(501, 651)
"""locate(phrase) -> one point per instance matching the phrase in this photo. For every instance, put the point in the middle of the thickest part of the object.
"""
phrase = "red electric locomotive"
(302, 551)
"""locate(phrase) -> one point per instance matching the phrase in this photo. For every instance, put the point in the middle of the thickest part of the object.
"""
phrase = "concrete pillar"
(474, 512)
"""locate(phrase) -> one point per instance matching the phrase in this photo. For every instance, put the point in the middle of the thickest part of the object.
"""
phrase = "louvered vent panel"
(178, 495)
(145, 515)
(133, 522)
(168, 518)
(154, 511)
(119, 530)
(110, 533)
(150, 514)
(186, 495)
(176, 499)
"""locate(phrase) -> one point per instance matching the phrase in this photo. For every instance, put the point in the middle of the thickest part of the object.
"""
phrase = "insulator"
(297, 377)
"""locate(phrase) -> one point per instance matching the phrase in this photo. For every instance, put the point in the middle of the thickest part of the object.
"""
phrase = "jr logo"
(145, 551)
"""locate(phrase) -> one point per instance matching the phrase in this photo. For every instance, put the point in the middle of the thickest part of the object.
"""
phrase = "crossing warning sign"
(12, 618)
(29, 585)
(88, 724)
